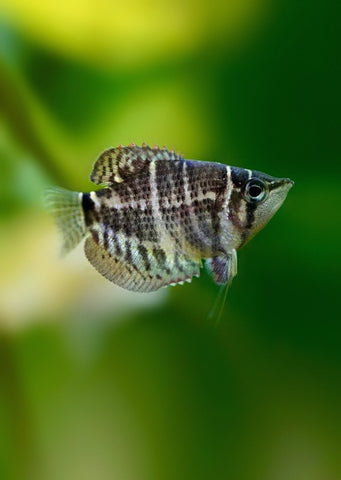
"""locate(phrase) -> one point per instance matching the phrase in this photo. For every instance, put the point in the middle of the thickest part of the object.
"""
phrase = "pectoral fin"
(223, 268)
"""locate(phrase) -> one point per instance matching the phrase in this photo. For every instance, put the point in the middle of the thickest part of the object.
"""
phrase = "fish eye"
(255, 191)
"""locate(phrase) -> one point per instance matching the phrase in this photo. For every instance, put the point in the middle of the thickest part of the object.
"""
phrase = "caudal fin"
(66, 207)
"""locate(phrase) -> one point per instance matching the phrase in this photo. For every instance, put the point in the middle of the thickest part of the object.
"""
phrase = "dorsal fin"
(116, 164)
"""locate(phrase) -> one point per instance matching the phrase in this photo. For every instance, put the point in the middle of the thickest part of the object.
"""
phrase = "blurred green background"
(99, 383)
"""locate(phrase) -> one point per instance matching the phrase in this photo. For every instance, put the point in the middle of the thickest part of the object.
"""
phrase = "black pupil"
(255, 191)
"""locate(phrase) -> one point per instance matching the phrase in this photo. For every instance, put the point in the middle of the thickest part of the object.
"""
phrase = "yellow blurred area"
(39, 285)
(127, 33)
(168, 114)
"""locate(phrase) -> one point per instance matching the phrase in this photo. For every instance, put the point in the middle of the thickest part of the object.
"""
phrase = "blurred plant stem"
(32, 128)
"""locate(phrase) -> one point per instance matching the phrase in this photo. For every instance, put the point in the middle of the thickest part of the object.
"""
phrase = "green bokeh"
(159, 393)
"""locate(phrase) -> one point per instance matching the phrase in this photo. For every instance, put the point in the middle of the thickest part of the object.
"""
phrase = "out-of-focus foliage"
(96, 382)
(131, 33)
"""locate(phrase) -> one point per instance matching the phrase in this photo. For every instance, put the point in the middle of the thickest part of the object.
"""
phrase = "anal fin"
(142, 272)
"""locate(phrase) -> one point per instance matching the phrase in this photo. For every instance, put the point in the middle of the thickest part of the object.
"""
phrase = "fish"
(157, 216)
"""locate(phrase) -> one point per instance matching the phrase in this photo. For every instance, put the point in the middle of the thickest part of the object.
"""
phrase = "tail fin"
(66, 207)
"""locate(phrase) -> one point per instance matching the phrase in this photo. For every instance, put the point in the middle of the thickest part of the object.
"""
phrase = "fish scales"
(158, 216)
(186, 197)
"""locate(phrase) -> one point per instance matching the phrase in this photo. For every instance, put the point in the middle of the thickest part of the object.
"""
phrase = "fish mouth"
(281, 182)
(289, 183)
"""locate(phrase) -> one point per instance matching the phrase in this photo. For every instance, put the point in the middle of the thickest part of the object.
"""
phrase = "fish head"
(258, 196)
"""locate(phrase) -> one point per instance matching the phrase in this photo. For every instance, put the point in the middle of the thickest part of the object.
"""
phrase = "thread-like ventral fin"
(224, 269)
(66, 208)
(115, 165)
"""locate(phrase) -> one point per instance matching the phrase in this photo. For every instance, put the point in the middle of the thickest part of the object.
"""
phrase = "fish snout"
(287, 181)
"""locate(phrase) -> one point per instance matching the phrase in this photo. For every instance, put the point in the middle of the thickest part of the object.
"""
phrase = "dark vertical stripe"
(144, 254)
(234, 208)
(88, 208)
(105, 239)
(118, 249)
(215, 229)
(239, 176)
(250, 214)
(128, 255)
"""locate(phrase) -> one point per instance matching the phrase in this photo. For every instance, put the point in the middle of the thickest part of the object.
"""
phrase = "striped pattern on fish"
(159, 215)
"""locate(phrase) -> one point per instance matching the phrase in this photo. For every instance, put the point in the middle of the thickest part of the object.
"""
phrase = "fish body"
(158, 216)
